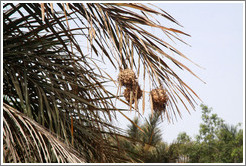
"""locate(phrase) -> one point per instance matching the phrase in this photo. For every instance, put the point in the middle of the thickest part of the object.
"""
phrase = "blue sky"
(216, 45)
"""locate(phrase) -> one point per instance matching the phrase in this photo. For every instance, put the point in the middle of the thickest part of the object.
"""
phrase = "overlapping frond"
(118, 30)
(49, 73)
(54, 85)
(35, 143)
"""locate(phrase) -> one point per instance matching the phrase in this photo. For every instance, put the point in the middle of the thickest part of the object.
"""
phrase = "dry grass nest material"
(134, 90)
(127, 78)
(159, 99)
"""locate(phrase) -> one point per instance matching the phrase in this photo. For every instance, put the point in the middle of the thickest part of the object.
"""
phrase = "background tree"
(230, 144)
(148, 143)
(133, 130)
(180, 149)
(224, 142)
(208, 134)
(217, 142)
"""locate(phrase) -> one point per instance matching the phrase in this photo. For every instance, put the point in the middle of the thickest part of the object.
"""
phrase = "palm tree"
(133, 131)
(147, 143)
(230, 144)
(152, 134)
(51, 80)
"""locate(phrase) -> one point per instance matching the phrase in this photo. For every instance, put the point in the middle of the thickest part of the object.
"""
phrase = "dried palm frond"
(38, 143)
(120, 32)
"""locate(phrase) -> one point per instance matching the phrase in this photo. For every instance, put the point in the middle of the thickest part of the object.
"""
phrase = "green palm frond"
(152, 134)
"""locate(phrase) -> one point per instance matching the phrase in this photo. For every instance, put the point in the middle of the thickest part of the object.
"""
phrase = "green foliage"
(133, 130)
(210, 126)
(151, 134)
(146, 145)
(158, 154)
(183, 138)
(179, 149)
(230, 144)
(216, 142)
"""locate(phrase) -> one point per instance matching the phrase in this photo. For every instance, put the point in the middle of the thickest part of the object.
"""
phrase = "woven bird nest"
(127, 78)
(159, 99)
(134, 90)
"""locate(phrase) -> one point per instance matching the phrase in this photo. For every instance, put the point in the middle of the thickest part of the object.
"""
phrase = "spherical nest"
(159, 99)
(127, 78)
(134, 90)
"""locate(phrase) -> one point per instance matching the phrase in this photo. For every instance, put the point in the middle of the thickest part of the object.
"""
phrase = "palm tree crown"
(50, 79)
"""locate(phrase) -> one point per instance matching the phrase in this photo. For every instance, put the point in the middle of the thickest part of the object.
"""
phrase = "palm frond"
(120, 27)
(51, 78)
(27, 141)
(55, 86)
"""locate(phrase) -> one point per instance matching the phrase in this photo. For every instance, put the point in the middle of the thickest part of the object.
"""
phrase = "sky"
(216, 41)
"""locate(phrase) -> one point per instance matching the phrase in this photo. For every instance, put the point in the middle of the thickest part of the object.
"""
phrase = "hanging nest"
(159, 99)
(127, 78)
(134, 90)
